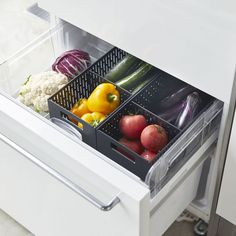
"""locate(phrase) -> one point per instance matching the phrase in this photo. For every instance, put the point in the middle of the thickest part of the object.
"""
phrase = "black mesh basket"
(107, 62)
(108, 135)
(164, 85)
(80, 87)
(159, 88)
(112, 58)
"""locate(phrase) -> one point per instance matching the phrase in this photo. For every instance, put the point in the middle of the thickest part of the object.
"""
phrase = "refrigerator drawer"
(51, 180)
(39, 199)
(178, 37)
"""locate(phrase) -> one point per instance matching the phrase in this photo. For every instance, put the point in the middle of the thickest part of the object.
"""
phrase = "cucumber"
(121, 69)
(140, 86)
(137, 77)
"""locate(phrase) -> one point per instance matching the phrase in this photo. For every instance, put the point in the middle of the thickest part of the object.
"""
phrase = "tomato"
(154, 138)
(148, 155)
(131, 126)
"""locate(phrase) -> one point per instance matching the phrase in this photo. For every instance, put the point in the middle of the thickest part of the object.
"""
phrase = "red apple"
(131, 126)
(154, 138)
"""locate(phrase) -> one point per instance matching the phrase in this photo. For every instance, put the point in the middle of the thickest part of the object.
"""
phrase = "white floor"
(17, 28)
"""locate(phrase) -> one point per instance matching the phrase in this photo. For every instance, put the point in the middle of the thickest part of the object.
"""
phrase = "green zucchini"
(136, 89)
(121, 69)
(137, 77)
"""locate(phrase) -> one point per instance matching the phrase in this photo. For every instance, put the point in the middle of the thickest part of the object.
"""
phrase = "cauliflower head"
(38, 88)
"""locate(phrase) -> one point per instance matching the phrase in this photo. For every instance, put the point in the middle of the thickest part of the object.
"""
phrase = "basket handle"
(65, 126)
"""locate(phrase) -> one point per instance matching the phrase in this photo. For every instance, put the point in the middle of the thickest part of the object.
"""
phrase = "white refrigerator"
(55, 184)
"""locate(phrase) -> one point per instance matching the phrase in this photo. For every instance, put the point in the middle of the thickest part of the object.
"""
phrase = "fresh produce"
(80, 108)
(149, 155)
(122, 68)
(189, 110)
(133, 80)
(154, 138)
(134, 145)
(141, 85)
(38, 88)
(171, 114)
(105, 99)
(94, 119)
(72, 63)
(131, 126)
(176, 97)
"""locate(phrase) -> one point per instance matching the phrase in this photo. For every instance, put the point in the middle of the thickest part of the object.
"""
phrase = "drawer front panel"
(192, 40)
(47, 207)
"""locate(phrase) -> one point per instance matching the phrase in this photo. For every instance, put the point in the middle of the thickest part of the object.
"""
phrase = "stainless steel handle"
(83, 193)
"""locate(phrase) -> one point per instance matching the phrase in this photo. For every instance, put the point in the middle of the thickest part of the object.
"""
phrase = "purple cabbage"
(72, 63)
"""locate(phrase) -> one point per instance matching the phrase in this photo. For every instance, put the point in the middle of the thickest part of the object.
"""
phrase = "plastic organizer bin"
(108, 135)
(108, 61)
(182, 143)
(163, 86)
(111, 59)
(80, 87)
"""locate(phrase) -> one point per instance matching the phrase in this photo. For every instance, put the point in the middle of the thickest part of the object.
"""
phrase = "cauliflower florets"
(41, 103)
(38, 88)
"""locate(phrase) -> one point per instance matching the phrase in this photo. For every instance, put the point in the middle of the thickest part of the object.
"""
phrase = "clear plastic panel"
(68, 128)
(184, 147)
(40, 54)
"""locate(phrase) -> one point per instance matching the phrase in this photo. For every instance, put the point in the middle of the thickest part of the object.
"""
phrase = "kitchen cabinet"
(65, 181)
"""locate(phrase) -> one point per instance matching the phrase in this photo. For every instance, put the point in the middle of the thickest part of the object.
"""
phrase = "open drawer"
(75, 181)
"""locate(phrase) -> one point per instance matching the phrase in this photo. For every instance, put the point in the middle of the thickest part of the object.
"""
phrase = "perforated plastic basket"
(109, 135)
(164, 85)
(80, 87)
(112, 58)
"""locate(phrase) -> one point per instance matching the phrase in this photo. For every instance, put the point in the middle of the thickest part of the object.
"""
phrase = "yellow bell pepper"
(80, 108)
(92, 118)
(105, 98)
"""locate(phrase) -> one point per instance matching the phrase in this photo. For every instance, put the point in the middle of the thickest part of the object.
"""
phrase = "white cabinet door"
(193, 40)
(227, 198)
